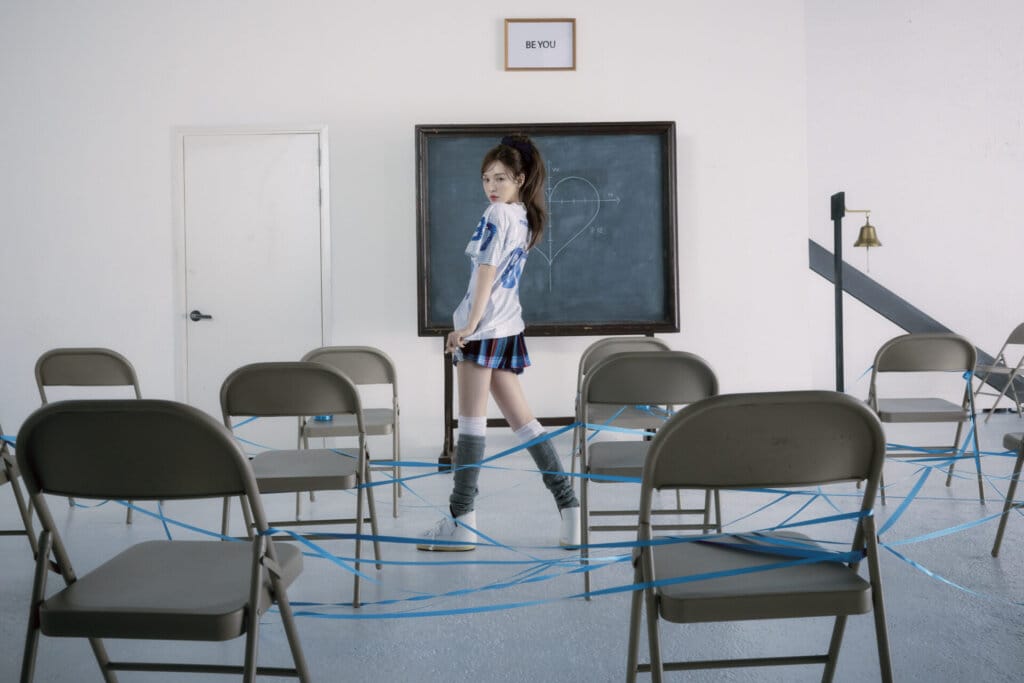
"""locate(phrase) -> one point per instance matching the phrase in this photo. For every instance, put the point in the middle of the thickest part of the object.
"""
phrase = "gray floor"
(938, 633)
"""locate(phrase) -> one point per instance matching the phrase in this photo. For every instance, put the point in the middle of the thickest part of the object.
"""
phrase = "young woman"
(487, 343)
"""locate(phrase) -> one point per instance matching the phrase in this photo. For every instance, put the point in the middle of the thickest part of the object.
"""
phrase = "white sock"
(473, 426)
(529, 431)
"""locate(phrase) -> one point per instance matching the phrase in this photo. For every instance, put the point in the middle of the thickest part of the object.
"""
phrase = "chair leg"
(128, 514)
(290, 631)
(636, 598)
(253, 613)
(833, 649)
(28, 659)
(718, 512)
(247, 516)
(359, 541)
(977, 462)
(225, 517)
(25, 510)
(1008, 506)
(653, 636)
(372, 505)
(956, 451)
(585, 532)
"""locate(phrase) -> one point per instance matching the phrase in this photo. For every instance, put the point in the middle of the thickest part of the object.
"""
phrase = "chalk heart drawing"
(582, 196)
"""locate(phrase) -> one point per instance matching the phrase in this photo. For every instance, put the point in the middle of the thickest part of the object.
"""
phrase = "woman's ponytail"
(521, 156)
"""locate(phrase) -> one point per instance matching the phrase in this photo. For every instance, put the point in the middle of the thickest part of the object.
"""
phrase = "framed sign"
(540, 44)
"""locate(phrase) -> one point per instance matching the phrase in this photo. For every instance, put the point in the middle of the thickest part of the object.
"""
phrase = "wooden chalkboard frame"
(664, 130)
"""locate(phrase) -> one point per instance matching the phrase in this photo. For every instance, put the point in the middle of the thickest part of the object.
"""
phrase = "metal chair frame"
(778, 440)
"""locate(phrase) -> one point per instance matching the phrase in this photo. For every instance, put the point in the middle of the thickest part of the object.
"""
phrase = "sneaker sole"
(445, 548)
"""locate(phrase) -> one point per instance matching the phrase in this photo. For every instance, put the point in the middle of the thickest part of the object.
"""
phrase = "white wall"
(92, 93)
(916, 111)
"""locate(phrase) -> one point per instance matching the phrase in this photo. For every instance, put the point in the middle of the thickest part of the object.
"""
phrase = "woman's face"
(500, 185)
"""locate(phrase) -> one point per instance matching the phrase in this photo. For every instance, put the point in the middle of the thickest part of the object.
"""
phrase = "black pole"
(838, 211)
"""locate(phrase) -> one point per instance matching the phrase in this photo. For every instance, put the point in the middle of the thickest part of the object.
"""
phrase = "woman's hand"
(456, 339)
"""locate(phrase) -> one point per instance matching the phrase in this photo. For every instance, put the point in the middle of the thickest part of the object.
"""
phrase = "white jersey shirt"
(501, 239)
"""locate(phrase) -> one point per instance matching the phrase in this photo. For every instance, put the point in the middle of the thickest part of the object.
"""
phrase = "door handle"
(196, 316)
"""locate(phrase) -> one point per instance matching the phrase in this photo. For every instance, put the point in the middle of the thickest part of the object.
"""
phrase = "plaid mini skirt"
(503, 353)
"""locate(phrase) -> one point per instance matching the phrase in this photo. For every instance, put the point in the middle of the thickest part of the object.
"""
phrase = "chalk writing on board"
(574, 204)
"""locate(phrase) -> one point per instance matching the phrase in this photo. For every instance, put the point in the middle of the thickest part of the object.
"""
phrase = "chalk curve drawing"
(588, 198)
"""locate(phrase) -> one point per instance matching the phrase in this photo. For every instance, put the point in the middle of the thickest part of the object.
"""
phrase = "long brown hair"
(518, 154)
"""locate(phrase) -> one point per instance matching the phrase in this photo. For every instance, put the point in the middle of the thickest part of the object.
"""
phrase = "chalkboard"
(606, 263)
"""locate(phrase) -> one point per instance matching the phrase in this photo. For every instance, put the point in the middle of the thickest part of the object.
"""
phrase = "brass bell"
(867, 237)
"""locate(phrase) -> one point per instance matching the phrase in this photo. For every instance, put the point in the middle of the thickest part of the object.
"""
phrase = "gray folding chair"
(638, 378)
(778, 440)
(1013, 442)
(304, 389)
(85, 367)
(923, 353)
(9, 475)
(628, 417)
(365, 366)
(155, 590)
(1003, 369)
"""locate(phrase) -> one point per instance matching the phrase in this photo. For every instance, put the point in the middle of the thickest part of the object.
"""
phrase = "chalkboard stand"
(444, 461)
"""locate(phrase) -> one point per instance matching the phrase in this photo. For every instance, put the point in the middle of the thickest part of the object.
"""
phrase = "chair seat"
(617, 458)
(629, 417)
(1012, 442)
(920, 410)
(817, 589)
(173, 590)
(376, 421)
(318, 469)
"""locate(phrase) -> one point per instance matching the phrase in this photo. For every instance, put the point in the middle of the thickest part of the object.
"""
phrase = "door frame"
(179, 313)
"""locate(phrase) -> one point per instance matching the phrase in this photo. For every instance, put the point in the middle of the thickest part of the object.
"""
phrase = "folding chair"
(365, 366)
(85, 367)
(778, 440)
(1001, 370)
(921, 353)
(155, 590)
(9, 474)
(638, 378)
(620, 416)
(304, 389)
(1013, 442)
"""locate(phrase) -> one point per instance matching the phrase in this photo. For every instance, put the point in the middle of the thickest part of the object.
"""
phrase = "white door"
(256, 257)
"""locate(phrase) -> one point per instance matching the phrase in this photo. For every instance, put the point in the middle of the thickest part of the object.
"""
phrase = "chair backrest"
(84, 367)
(649, 377)
(926, 352)
(361, 364)
(137, 449)
(602, 348)
(1016, 338)
(929, 352)
(778, 439)
(282, 389)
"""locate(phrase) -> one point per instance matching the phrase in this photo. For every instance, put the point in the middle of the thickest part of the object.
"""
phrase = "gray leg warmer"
(547, 462)
(468, 451)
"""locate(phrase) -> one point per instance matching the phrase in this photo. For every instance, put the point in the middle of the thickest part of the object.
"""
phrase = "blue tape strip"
(938, 577)
(906, 501)
(9, 439)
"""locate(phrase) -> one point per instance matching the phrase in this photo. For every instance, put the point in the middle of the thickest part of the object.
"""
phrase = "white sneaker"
(451, 534)
(569, 537)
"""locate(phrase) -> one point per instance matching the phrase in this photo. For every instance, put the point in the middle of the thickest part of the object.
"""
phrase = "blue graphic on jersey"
(478, 233)
(491, 230)
(514, 270)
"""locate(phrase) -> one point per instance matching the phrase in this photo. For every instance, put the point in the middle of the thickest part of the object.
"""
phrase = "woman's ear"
(521, 179)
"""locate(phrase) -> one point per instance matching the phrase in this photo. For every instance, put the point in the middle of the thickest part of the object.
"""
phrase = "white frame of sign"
(521, 56)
